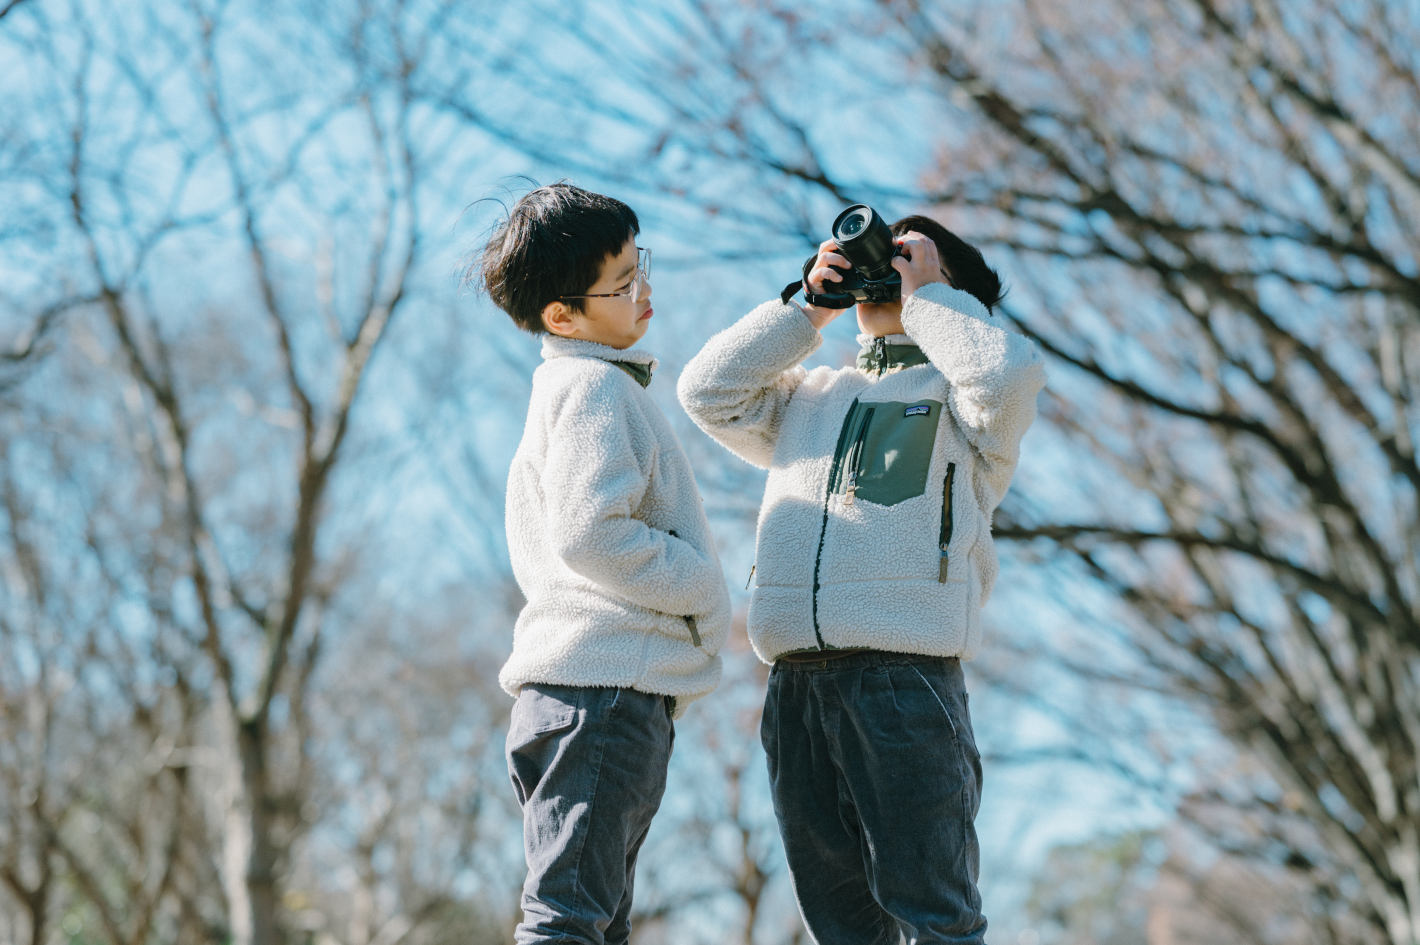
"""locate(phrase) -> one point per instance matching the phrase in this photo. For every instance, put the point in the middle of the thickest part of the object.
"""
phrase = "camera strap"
(822, 300)
(826, 300)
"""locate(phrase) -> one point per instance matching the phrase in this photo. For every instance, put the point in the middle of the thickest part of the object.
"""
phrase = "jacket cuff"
(939, 293)
(960, 337)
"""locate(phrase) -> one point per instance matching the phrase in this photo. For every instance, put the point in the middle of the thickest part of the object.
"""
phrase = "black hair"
(965, 266)
(553, 244)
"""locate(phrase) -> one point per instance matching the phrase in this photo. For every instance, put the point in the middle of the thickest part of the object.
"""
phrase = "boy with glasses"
(626, 603)
(874, 558)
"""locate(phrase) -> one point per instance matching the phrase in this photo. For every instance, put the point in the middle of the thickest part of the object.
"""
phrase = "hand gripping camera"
(866, 242)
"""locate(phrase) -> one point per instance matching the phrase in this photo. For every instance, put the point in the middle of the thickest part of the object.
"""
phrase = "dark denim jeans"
(589, 766)
(876, 783)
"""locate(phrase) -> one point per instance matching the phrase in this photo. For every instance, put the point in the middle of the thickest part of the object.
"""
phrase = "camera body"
(866, 242)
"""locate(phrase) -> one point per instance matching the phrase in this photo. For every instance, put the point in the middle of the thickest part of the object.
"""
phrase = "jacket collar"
(894, 352)
(638, 364)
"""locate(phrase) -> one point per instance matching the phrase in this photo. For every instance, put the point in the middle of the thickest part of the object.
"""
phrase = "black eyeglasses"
(639, 281)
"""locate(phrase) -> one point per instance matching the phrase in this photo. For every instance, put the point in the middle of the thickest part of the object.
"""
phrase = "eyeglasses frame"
(642, 277)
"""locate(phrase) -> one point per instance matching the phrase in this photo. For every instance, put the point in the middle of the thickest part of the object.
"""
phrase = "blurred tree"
(1094, 892)
(1166, 888)
(24, 350)
(213, 503)
(228, 207)
(1231, 227)
(100, 730)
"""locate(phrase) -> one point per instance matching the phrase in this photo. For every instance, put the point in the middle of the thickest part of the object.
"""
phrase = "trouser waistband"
(848, 659)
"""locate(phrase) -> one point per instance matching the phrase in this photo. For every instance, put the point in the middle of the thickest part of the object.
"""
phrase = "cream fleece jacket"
(905, 563)
(608, 537)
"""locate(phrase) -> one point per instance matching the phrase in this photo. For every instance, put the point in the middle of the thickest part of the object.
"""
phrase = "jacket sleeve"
(600, 458)
(736, 388)
(993, 375)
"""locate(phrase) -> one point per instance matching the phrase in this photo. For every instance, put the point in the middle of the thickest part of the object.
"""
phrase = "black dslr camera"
(866, 242)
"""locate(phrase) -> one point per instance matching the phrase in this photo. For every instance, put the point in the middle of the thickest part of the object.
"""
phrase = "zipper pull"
(880, 351)
(852, 489)
(750, 579)
(945, 538)
(694, 631)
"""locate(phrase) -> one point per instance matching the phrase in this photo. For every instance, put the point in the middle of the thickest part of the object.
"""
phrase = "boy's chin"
(884, 318)
(620, 340)
(622, 343)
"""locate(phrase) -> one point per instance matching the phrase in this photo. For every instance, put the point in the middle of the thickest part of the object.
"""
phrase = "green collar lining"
(879, 356)
(640, 373)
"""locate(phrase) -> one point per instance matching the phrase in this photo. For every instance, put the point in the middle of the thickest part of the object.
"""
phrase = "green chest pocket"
(884, 451)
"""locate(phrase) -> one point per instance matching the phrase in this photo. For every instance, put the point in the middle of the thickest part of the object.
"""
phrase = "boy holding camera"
(873, 560)
(626, 603)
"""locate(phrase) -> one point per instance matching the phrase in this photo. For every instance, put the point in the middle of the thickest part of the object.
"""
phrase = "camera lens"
(854, 222)
(865, 241)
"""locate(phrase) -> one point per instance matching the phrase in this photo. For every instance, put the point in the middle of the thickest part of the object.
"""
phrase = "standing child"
(874, 558)
(626, 604)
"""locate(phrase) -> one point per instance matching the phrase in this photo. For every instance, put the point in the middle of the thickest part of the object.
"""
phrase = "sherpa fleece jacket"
(608, 536)
(875, 530)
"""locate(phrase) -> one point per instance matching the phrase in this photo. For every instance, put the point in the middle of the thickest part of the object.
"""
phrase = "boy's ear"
(559, 319)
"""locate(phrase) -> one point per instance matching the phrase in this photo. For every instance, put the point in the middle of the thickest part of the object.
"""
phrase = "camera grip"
(822, 300)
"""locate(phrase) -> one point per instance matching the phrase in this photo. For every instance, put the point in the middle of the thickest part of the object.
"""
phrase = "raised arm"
(736, 388)
(993, 374)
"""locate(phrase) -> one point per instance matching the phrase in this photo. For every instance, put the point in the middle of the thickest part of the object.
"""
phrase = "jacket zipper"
(856, 456)
(944, 537)
(818, 561)
(823, 525)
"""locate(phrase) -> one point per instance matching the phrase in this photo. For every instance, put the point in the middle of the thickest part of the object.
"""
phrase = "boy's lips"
(646, 314)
